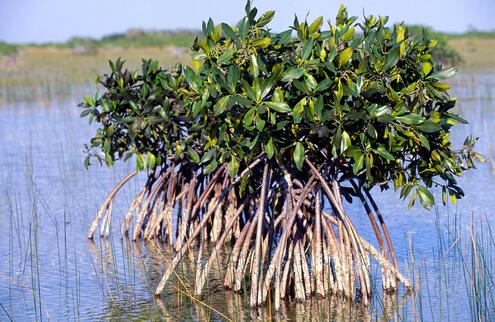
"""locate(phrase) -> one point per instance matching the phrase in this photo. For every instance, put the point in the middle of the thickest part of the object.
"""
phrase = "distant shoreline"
(29, 72)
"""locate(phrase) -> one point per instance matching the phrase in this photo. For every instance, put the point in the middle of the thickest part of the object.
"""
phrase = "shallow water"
(50, 271)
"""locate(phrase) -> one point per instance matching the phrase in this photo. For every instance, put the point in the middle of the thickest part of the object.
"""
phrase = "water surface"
(50, 271)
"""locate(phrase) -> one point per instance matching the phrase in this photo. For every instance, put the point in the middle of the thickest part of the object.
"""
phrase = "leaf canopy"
(363, 98)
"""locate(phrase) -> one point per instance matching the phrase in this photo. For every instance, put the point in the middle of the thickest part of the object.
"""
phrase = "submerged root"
(106, 208)
(285, 244)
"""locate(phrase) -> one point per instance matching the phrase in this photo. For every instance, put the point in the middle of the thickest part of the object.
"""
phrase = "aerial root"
(106, 208)
(328, 243)
(284, 243)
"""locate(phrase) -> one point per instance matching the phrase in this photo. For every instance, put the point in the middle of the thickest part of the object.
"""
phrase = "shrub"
(264, 129)
(7, 49)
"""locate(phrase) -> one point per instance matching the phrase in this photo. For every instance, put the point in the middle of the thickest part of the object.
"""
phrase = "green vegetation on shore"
(141, 38)
(135, 37)
(7, 49)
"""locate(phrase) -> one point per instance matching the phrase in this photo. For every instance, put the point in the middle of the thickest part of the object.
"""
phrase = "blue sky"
(58, 20)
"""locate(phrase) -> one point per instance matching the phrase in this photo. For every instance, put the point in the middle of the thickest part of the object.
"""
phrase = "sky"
(23, 21)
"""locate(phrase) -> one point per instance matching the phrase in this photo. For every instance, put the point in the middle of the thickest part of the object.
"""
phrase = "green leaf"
(427, 67)
(260, 124)
(384, 153)
(210, 167)
(86, 113)
(204, 45)
(140, 165)
(228, 31)
(302, 87)
(372, 131)
(316, 25)
(340, 90)
(151, 160)
(429, 127)
(196, 108)
(249, 117)
(381, 111)
(247, 7)
(233, 167)
(392, 58)
(457, 118)
(243, 27)
(249, 90)
(308, 47)
(369, 164)
(252, 142)
(358, 164)
(227, 56)
(411, 119)
(342, 15)
(281, 107)
(425, 197)
(345, 56)
(109, 159)
(135, 107)
(270, 148)
(453, 198)
(208, 155)
(191, 78)
(265, 18)
(424, 141)
(311, 82)
(210, 26)
(220, 106)
(292, 73)
(88, 101)
(257, 90)
(299, 109)
(109, 130)
(105, 106)
(441, 86)
(284, 37)
(323, 85)
(233, 77)
(262, 43)
(443, 74)
(299, 155)
(349, 33)
(345, 142)
(412, 201)
(86, 162)
(193, 155)
(253, 66)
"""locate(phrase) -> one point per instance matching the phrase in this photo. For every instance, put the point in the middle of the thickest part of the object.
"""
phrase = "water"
(50, 271)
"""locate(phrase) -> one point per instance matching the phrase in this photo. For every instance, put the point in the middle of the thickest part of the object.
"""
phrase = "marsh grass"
(460, 279)
(477, 53)
(49, 73)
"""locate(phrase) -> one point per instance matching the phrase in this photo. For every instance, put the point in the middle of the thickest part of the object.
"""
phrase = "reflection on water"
(49, 270)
